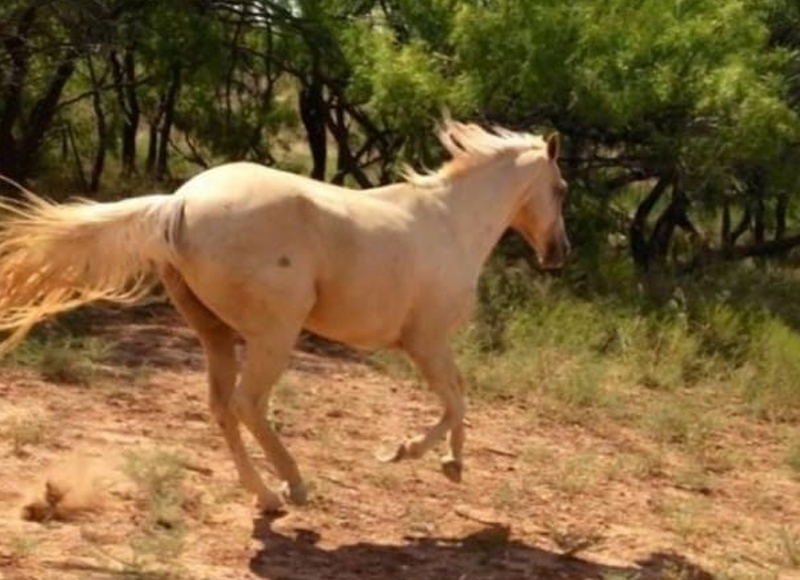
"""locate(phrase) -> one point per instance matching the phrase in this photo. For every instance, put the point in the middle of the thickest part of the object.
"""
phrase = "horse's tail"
(54, 257)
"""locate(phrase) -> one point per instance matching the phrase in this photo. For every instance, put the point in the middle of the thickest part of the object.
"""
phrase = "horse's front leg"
(437, 365)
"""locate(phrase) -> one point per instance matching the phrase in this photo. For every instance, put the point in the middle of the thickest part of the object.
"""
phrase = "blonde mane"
(471, 146)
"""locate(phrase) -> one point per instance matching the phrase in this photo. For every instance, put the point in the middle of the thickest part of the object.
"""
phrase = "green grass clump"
(63, 358)
(159, 476)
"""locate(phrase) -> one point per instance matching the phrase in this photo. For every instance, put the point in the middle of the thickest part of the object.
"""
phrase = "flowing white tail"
(55, 257)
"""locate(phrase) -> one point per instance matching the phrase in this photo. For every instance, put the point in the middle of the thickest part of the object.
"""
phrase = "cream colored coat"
(247, 250)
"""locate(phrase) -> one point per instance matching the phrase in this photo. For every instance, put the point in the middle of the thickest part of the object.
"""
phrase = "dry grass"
(25, 432)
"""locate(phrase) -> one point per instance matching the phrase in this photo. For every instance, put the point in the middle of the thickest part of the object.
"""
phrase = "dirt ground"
(540, 499)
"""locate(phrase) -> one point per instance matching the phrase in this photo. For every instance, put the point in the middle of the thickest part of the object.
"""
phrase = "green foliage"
(399, 83)
(773, 390)
(62, 358)
(600, 351)
(622, 65)
(707, 89)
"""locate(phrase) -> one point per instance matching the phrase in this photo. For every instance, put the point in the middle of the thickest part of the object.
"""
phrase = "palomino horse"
(250, 251)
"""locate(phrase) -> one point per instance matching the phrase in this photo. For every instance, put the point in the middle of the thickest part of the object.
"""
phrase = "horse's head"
(539, 218)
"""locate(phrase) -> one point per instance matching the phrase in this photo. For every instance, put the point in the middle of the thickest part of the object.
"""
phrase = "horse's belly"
(365, 320)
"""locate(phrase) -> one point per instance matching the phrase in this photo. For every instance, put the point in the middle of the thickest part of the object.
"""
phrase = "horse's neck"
(480, 205)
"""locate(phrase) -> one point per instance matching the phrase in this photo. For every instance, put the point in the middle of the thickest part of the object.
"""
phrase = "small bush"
(25, 432)
(63, 359)
(666, 355)
(159, 542)
(726, 333)
(159, 476)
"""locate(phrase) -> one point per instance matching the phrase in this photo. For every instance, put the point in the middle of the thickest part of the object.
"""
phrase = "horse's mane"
(469, 146)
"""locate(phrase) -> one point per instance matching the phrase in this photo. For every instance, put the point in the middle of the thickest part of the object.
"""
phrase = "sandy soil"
(541, 498)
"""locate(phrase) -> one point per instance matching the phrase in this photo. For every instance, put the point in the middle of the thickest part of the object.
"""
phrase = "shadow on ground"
(488, 554)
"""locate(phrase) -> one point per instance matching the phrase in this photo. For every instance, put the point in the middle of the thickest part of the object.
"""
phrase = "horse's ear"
(553, 146)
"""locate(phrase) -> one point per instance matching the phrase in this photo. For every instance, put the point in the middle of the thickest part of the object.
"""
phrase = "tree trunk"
(673, 216)
(102, 130)
(346, 162)
(725, 229)
(16, 48)
(770, 248)
(781, 209)
(124, 73)
(742, 227)
(756, 190)
(313, 112)
(152, 142)
(162, 169)
(17, 154)
(44, 110)
(77, 158)
(759, 225)
(639, 244)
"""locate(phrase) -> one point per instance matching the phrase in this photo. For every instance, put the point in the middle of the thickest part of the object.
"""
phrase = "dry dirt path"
(540, 499)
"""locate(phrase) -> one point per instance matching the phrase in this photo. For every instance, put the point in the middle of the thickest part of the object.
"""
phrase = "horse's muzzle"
(555, 255)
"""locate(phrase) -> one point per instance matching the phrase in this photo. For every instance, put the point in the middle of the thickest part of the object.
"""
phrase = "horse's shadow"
(488, 554)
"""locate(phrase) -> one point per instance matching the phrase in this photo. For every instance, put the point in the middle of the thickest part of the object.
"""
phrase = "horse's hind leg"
(218, 341)
(267, 356)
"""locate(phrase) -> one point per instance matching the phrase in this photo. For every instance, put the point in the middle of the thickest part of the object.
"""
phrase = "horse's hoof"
(269, 504)
(452, 469)
(391, 453)
(295, 495)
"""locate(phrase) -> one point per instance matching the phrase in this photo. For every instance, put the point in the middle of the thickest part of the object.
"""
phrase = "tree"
(687, 99)
(681, 119)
